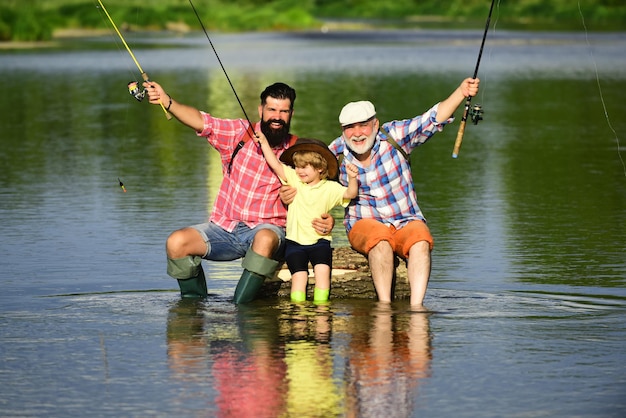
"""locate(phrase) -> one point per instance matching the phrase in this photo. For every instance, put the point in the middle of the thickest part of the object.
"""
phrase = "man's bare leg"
(381, 261)
(418, 267)
(185, 242)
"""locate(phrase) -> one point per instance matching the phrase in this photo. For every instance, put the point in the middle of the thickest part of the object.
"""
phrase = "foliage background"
(35, 20)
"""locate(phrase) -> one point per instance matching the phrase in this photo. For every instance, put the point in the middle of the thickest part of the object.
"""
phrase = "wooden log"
(351, 279)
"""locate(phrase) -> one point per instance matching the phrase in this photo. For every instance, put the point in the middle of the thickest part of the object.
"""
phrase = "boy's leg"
(299, 282)
(322, 282)
(298, 262)
(321, 255)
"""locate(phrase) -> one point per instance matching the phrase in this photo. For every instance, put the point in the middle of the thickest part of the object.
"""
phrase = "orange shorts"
(366, 233)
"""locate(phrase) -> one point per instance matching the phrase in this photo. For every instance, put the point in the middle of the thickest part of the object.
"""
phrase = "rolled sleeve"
(208, 125)
(433, 118)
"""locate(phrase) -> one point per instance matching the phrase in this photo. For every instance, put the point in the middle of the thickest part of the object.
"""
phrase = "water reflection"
(529, 273)
(282, 360)
(389, 356)
(241, 361)
(307, 335)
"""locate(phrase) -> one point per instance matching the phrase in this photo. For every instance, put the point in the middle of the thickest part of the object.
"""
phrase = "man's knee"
(174, 244)
(383, 248)
(422, 245)
(381, 253)
(185, 242)
(265, 242)
(420, 248)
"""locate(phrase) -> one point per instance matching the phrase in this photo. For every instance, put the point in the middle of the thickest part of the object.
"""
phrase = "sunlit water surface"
(527, 294)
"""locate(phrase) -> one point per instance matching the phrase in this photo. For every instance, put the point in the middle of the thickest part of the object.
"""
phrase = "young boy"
(313, 164)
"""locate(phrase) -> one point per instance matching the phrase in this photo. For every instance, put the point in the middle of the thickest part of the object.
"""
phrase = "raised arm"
(469, 87)
(269, 155)
(187, 115)
(353, 185)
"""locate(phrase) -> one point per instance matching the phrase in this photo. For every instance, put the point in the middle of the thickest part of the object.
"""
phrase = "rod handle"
(167, 114)
(459, 139)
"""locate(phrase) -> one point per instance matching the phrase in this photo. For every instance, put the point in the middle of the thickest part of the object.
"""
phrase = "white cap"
(355, 112)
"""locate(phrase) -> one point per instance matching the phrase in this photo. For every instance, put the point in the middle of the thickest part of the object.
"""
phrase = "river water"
(528, 289)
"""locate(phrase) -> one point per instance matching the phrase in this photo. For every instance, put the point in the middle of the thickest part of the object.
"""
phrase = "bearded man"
(248, 218)
(385, 220)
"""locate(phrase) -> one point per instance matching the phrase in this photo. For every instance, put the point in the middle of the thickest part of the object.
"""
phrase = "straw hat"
(315, 145)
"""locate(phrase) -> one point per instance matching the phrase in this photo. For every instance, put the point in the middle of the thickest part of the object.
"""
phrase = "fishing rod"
(224, 70)
(474, 112)
(133, 87)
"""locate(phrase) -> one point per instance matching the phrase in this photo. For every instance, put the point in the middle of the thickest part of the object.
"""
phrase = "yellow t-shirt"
(310, 202)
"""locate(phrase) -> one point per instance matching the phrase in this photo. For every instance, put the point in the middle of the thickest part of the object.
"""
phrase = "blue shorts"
(226, 246)
(298, 256)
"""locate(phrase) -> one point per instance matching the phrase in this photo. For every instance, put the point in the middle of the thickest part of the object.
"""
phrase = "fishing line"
(143, 73)
(132, 75)
(115, 40)
(606, 113)
(483, 89)
(222, 65)
(476, 111)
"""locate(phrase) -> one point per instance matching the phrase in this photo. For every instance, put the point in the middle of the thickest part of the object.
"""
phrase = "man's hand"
(469, 87)
(324, 224)
(287, 194)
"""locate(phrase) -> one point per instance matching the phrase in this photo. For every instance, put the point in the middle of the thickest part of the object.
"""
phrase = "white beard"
(364, 144)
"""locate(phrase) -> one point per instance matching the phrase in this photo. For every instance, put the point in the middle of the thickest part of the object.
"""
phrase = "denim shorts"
(226, 246)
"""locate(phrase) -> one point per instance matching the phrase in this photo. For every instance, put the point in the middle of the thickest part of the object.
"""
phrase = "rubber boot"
(320, 295)
(248, 287)
(188, 271)
(256, 269)
(297, 296)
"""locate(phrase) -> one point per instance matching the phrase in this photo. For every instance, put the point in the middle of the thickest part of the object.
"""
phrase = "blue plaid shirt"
(386, 190)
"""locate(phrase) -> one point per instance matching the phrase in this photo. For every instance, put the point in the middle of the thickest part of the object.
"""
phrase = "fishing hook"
(475, 112)
(133, 90)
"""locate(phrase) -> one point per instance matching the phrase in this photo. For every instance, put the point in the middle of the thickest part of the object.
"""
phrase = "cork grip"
(459, 139)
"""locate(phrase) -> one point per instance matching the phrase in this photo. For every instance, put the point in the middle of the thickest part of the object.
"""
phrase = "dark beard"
(275, 137)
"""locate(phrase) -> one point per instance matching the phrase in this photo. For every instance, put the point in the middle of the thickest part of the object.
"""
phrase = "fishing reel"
(133, 89)
(476, 113)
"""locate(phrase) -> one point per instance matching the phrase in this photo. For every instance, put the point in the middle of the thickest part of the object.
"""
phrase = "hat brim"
(331, 160)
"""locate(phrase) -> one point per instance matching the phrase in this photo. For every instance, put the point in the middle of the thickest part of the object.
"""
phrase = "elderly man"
(385, 219)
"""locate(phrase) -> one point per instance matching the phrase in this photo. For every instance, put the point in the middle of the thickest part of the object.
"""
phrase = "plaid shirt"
(249, 194)
(386, 190)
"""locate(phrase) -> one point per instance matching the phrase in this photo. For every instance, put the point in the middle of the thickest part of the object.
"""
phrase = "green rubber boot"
(320, 295)
(256, 269)
(188, 271)
(297, 296)
(248, 287)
